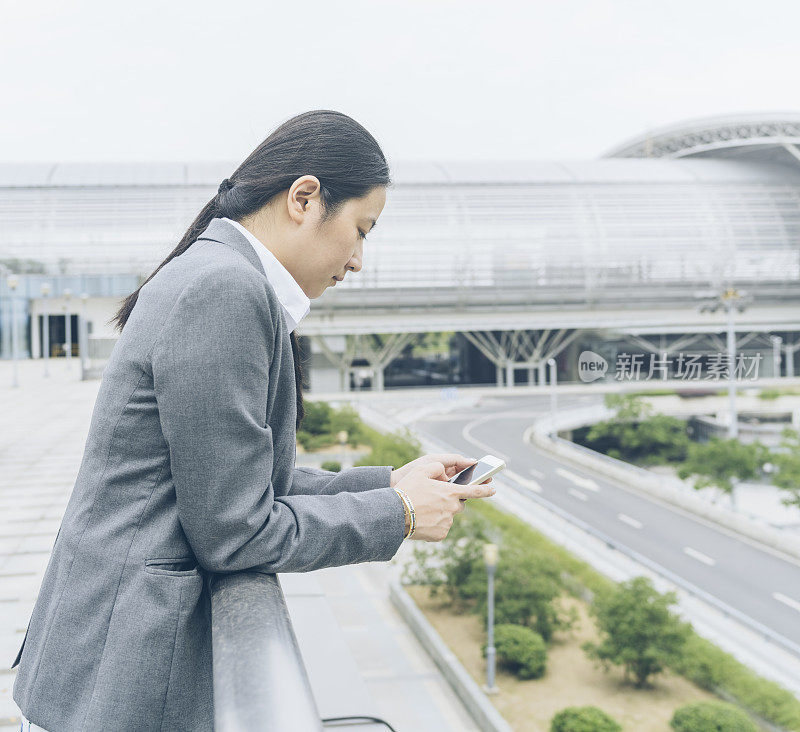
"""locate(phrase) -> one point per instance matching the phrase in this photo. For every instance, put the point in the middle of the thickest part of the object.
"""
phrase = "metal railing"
(260, 680)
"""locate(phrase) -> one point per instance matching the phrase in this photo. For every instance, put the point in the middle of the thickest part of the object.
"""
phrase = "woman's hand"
(452, 463)
(435, 500)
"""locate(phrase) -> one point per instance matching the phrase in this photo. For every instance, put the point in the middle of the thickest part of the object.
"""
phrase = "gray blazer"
(188, 469)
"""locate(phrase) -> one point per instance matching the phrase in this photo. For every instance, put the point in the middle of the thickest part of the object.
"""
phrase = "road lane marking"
(466, 433)
(526, 482)
(699, 556)
(578, 480)
(580, 496)
(780, 597)
(630, 521)
(536, 473)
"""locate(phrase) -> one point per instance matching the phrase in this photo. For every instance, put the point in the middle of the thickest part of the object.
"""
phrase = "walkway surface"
(341, 615)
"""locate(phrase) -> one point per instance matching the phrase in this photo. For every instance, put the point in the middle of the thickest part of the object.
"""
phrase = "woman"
(189, 462)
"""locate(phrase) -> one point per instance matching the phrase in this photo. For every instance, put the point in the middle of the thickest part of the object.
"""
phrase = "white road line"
(536, 473)
(526, 482)
(780, 597)
(630, 521)
(699, 556)
(466, 434)
(526, 435)
(578, 480)
(580, 496)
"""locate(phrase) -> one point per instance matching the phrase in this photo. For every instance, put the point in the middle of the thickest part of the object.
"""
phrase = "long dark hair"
(335, 148)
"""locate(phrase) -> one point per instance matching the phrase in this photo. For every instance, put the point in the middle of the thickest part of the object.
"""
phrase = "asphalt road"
(755, 580)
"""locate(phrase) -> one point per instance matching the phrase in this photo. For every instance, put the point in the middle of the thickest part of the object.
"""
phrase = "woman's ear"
(302, 197)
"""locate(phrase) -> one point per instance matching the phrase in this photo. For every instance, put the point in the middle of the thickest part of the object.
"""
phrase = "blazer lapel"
(221, 231)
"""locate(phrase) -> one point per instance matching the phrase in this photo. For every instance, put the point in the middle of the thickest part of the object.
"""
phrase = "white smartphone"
(484, 469)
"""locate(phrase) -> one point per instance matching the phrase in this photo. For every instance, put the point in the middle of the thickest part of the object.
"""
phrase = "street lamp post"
(731, 300)
(46, 328)
(12, 281)
(342, 437)
(83, 336)
(776, 354)
(733, 426)
(490, 553)
(68, 327)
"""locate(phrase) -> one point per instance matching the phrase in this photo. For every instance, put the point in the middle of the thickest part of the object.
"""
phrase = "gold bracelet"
(409, 512)
(406, 512)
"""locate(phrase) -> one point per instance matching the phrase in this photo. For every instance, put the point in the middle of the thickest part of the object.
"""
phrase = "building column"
(36, 349)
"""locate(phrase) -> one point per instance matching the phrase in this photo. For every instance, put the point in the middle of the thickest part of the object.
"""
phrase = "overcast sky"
(197, 80)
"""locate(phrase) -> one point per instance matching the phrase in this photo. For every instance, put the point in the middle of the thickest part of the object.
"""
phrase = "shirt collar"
(293, 300)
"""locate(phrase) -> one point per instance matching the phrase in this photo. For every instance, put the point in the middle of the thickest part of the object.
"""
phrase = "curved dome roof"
(766, 137)
(561, 229)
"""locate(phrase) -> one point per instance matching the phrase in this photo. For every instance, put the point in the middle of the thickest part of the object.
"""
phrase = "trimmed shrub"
(583, 719)
(520, 650)
(314, 442)
(711, 717)
(331, 465)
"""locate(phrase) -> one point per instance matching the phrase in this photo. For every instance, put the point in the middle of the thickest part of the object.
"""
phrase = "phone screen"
(472, 474)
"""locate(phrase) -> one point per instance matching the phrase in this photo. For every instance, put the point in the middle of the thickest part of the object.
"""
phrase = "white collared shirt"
(293, 300)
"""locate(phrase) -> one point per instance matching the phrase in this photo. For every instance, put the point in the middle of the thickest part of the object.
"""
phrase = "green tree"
(317, 417)
(719, 462)
(637, 435)
(628, 406)
(527, 583)
(528, 588)
(453, 568)
(346, 418)
(787, 463)
(637, 630)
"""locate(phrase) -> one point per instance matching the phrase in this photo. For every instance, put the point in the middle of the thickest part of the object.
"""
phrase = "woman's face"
(316, 253)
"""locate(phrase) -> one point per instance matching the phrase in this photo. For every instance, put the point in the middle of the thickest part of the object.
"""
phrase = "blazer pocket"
(172, 566)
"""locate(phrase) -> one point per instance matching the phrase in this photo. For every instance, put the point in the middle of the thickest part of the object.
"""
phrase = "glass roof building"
(685, 210)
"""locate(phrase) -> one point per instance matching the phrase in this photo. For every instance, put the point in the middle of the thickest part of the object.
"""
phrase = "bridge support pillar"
(542, 377)
(509, 373)
(789, 361)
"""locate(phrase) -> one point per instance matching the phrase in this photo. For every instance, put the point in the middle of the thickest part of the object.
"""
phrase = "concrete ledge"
(479, 707)
(654, 485)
